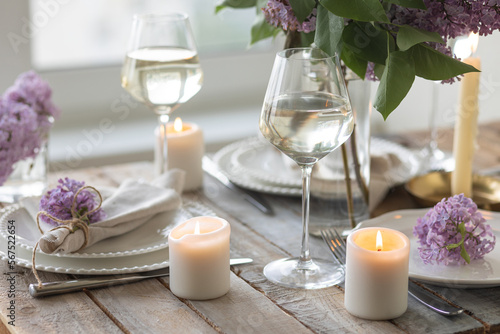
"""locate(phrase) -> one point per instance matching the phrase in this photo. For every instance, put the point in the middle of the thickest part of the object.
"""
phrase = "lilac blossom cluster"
(450, 19)
(452, 227)
(26, 116)
(279, 13)
(59, 200)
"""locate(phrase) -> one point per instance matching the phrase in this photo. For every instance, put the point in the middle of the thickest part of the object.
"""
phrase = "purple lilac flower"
(440, 227)
(58, 201)
(26, 116)
(29, 88)
(279, 13)
(17, 142)
(450, 19)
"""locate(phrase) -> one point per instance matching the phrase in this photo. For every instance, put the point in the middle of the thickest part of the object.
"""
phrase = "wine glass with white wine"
(306, 115)
(162, 68)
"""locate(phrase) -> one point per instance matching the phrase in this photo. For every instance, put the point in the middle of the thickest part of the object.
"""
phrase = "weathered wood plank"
(246, 310)
(482, 304)
(74, 313)
(419, 319)
(149, 307)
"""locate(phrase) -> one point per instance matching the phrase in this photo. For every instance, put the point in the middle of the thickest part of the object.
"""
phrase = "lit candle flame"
(466, 47)
(178, 124)
(378, 243)
(197, 228)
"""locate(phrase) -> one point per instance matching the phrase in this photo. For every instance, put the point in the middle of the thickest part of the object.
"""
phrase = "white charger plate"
(266, 163)
(149, 237)
(87, 265)
(478, 274)
(223, 158)
(255, 164)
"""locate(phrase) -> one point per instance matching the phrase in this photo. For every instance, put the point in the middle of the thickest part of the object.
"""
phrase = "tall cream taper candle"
(465, 131)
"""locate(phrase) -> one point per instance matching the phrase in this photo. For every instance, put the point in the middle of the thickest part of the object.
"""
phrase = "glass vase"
(29, 177)
(340, 181)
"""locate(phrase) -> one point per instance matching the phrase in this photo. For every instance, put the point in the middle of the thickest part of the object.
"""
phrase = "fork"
(337, 247)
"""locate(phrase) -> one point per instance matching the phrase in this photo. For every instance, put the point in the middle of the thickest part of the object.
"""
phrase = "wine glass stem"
(162, 158)
(305, 261)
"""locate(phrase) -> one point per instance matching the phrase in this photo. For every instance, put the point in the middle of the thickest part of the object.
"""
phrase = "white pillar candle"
(185, 151)
(464, 139)
(199, 258)
(376, 281)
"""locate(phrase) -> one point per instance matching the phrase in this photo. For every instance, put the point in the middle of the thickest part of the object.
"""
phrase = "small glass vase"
(338, 199)
(29, 177)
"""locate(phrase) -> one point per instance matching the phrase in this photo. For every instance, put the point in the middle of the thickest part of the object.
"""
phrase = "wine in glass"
(306, 115)
(162, 68)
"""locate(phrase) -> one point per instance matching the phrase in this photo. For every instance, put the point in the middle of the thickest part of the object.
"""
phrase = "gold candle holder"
(429, 189)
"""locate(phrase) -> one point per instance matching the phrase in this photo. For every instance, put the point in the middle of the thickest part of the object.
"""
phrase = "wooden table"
(253, 305)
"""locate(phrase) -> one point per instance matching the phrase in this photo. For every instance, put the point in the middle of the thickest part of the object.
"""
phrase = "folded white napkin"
(383, 176)
(384, 169)
(132, 204)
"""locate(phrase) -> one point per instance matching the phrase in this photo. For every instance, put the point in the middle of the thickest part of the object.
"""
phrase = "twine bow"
(76, 222)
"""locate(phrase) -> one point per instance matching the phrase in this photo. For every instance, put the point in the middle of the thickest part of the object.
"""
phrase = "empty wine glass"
(162, 68)
(306, 115)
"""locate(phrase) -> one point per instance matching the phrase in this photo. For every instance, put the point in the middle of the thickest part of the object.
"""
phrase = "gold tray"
(429, 189)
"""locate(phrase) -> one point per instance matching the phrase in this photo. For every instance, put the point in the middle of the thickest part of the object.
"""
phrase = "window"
(89, 33)
(79, 45)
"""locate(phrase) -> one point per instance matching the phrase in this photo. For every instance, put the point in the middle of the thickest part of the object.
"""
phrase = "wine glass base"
(319, 274)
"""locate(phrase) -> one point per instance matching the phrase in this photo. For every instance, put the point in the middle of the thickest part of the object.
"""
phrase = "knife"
(253, 198)
(434, 303)
(58, 287)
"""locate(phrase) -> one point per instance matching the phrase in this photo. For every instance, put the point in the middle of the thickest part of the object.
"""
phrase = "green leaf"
(359, 10)
(302, 8)
(329, 28)
(379, 69)
(464, 254)
(234, 4)
(409, 36)
(461, 229)
(356, 64)
(307, 38)
(419, 4)
(366, 41)
(433, 65)
(396, 81)
(262, 30)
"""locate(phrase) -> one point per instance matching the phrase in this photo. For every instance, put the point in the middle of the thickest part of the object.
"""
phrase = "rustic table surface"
(253, 305)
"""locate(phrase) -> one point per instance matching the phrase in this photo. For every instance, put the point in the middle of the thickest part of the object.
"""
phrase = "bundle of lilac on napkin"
(132, 204)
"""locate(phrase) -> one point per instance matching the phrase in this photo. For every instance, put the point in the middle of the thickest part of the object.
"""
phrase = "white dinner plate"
(149, 237)
(478, 274)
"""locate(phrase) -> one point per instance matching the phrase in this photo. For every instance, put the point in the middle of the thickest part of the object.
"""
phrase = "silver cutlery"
(58, 287)
(252, 197)
(337, 246)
